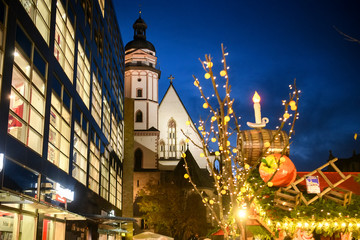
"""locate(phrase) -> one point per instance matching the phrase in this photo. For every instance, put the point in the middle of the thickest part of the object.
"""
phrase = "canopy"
(151, 236)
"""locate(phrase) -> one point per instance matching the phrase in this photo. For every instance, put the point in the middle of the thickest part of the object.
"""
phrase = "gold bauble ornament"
(207, 75)
(186, 176)
(222, 73)
(205, 105)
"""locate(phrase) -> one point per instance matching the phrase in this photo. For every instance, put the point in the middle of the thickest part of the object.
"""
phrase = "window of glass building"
(112, 197)
(94, 166)
(2, 36)
(114, 133)
(80, 151)
(60, 127)
(106, 115)
(120, 140)
(96, 100)
(87, 7)
(64, 38)
(83, 75)
(27, 99)
(119, 189)
(105, 173)
(40, 13)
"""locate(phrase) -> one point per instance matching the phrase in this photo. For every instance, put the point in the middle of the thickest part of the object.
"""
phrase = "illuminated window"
(172, 138)
(40, 13)
(83, 75)
(86, 5)
(64, 38)
(106, 115)
(94, 166)
(120, 140)
(119, 189)
(105, 174)
(80, 151)
(162, 149)
(112, 197)
(27, 99)
(2, 36)
(60, 127)
(96, 100)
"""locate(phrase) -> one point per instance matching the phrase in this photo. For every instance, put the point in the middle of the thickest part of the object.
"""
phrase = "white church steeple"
(141, 78)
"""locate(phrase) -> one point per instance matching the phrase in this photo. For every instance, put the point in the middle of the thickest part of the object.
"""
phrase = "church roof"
(199, 176)
(140, 41)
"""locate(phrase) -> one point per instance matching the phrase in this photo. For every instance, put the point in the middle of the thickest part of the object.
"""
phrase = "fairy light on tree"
(235, 167)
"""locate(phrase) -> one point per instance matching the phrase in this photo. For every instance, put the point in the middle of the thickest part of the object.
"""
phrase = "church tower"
(141, 121)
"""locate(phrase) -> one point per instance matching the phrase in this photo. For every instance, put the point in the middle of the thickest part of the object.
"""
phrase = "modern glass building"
(61, 120)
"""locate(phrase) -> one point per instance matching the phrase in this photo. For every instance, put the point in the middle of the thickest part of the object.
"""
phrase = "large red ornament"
(284, 176)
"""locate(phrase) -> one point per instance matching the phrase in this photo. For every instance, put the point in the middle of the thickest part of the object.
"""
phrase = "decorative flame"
(256, 98)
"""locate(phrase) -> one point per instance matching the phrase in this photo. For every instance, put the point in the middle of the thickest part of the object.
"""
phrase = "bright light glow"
(256, 98)
(241, 213)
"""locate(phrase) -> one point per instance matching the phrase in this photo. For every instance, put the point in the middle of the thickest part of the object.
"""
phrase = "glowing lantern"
(246, 166)
(196, 83)
(292, 103)
(211, 201)
(210, 64)
(270, 184)
(213, 118)
(205, 105)
(183, 155)
(234, 150)
(286, 115)
(227, 118)
(222, 73)
(231, 111)
(228, 143)
(213, 139)
(284, 176)
(200, 128)
(202, 154)
(186, 176)
(187, 140)
(223, 192)
(217, 153)
(187, 123)
(293, 107)
(207, 75)
(266, 144)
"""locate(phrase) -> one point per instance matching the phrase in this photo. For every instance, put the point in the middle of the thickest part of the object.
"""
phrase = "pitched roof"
(200, 177)
(350, 184)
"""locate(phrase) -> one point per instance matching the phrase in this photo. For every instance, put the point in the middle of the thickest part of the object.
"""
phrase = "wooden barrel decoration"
(253, 143)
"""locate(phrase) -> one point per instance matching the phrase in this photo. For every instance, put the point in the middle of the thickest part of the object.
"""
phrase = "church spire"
(140, 28)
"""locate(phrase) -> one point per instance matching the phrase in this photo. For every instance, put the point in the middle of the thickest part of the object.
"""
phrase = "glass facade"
(64, 121)
(27, 98)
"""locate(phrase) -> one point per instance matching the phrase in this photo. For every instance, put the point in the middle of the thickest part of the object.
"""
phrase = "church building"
(154, 146)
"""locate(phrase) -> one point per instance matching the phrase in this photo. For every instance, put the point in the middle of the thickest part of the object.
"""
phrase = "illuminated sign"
(64, 192)
(60, 199)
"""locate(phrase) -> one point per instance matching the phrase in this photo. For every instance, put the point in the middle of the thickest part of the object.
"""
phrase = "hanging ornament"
(196, 83)
(205, 105)
(222, 73)
(213, 118)
(186, 176)
(284, 176)
(207, 75)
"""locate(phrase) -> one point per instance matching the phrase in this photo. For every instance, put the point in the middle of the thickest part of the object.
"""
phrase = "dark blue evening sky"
(269, 43)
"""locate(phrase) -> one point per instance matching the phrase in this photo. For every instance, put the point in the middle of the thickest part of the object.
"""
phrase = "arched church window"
(182, 146)
(139, 92)
(162, 149)
(172, 137)
(139, 116)
(138, 159)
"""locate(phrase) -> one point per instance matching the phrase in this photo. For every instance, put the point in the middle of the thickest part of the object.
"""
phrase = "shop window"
(80, 151)
(105, 173)
(2, 37)
(60, 127)
(106, 115)
(64, 38)
(96, 100)
(83, 75)
(94, 166)
(27, 99)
